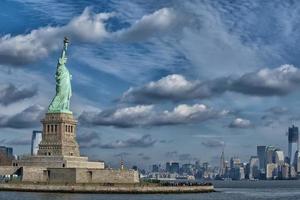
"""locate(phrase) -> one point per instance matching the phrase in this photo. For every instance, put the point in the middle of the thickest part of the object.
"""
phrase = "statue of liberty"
(61, 101)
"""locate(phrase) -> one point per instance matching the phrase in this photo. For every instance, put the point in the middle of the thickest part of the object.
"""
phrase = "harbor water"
(242, 190)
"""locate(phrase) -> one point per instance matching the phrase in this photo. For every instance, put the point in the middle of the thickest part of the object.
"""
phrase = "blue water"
(287, 190)
(223, 194)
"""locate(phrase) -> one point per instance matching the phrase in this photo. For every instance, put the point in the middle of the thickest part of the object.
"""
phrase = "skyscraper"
(155, 168)
(168, 167)
(279, 157)
(293, 142)
(253, 167)
(222, 165)
(175, 167)
(261, 157)
(35, 141)
(270, 155)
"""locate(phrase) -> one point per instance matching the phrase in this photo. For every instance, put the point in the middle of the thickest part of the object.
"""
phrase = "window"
(48, 128)
(51, 128)
(66, 128)
(55, 128)
(71, 129)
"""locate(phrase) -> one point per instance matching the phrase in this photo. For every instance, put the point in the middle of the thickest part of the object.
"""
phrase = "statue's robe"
(61, 101)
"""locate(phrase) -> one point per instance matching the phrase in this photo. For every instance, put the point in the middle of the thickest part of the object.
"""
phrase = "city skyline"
(154, 81)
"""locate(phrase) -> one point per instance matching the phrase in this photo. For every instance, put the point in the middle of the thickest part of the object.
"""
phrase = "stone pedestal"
(58, 148)
(58, 162)
(59, 135)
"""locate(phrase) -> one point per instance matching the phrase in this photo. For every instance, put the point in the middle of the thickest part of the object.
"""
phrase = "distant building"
(6, 155)
(254, 167)
(205, 166)
(278, 157)
(284, 171)
(175, 167)
(293, 142)
(222, 166)
(271, 171)
(293, 173)
(262, 157)
(187, 169)
(197, 164)
(135, 168)
(296, 162)
(269, 154)
(168, 167)
(247, 171)
(237, 173)
(235, 162)
(155, 168)
(35, 141)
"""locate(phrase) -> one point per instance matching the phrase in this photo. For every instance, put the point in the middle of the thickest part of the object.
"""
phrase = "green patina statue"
(61, 101)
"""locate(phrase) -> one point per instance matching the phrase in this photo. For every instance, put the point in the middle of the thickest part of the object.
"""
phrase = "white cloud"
(213, 143)
(211, 45)
(143, 142)
(142, 115)
(240, 123)
(89, 27)
(265, 82)
(268, 82)
(23, 49)
(27, 118)
(9, 93)
(149, 25)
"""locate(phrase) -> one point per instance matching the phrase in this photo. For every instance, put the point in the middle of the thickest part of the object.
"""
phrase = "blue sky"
(154, 81)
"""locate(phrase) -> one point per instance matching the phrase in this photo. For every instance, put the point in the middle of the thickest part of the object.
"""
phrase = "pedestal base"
(58, 162)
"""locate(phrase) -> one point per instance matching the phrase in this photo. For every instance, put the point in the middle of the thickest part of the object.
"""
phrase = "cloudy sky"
(154, 80)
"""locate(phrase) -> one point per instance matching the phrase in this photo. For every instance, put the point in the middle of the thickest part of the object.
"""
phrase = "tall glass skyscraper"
(35, 141)
(261, 157)
(293, 142)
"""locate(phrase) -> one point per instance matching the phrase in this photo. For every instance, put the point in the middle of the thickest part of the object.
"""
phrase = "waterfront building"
(187, 169)
(35, 141)
(155, 168)
(222, 166)
(271, 171)
(279, 157)
(205, 166)
(237, 173)
(168, 167)
(269, 154)
(293, 173)
(296, 162)
(262, 157)
(284, 171)
(175, 167)
(235, 162)
(293, 142)
(197, 164)
(247, 171)
(254, 167)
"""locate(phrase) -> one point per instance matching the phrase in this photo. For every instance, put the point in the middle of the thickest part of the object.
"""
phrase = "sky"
(156, 80)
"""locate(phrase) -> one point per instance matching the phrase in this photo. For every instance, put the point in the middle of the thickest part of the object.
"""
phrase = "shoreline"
(94, 188)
